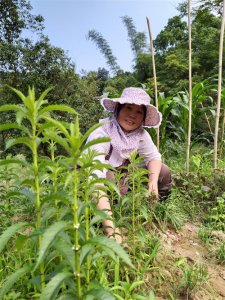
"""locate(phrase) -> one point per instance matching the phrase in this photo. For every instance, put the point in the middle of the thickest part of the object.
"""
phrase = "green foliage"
(216, 216)
(63, 220)
(202, 107)
(105, 49)
(192, 278)
(137, 39)
(170, 213)
(220, 253)
(15, 16)
(12, 279)
(205, 234)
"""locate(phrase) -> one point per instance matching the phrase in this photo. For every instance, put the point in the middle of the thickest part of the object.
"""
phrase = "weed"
(216, 215)
(205, 234)
(220, 253)
(192, 277)
(170, 212)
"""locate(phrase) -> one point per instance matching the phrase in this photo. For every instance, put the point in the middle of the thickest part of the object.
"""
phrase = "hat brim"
(153, 117)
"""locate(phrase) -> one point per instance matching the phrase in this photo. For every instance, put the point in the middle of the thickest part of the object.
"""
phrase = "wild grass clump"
(192, 277)
(220, 253)
(216, 215)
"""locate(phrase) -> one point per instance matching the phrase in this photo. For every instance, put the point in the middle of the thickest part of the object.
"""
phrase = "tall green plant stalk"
(37, 189)
(76, 226)
(154, 74)
(133, 211)
(190, 90)
(87, 216)
(55, 171)
(117, 272)
(219, 90)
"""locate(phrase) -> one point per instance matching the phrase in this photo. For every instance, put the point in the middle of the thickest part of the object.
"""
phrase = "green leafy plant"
(192, 277)
(220, 253)
(216, 215)
(201, 93)
(63, 240)
(205, 234)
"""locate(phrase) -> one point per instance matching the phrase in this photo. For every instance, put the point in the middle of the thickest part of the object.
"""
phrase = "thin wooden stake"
(154, 74)
(219, 90)
(222, 134)
(190, 91)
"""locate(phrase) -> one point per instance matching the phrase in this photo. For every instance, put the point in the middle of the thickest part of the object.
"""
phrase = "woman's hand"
(154, 168)
(153, 187)
(116, 235)
(110, 231)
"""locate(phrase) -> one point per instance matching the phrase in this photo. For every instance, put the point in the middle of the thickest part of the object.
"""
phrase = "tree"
(25, 62)
(143, 67)
(173, 35)
(15, 17)
(102, 77)
(137, 39)
(105, 49)
(114, 86)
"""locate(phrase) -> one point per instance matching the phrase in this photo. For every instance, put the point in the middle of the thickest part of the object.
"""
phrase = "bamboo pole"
(222, 134)
(154, 74)
(219, 90)
(190, 90)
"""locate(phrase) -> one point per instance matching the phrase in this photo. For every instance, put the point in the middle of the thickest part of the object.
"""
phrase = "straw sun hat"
(136, 96)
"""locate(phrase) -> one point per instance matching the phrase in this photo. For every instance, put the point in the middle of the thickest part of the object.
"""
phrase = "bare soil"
(186, 244)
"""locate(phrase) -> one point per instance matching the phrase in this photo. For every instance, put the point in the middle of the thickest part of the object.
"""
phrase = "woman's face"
(131, 116)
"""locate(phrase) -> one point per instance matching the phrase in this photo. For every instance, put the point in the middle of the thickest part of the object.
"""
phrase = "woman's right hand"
(117, 236)
(114, 234)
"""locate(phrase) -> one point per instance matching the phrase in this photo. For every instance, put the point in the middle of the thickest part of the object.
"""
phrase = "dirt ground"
(186, 244)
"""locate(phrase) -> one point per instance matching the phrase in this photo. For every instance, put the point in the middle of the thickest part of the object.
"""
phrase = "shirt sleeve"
(148, 149)
(101, 148)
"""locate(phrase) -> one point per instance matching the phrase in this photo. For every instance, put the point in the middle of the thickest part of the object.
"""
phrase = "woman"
(131, 112)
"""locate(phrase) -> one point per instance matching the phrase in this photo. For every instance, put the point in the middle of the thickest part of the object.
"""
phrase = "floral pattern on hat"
(136, 96)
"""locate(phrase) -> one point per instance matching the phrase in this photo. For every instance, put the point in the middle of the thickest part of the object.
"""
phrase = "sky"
(67, 23)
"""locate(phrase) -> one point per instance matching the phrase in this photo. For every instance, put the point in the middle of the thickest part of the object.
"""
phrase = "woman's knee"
(165, 176)
(165, 181)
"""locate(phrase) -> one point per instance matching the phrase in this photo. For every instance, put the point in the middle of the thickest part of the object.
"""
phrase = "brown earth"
(186, 244)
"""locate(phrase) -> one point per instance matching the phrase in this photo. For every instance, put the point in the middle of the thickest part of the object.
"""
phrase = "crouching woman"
(125, 128)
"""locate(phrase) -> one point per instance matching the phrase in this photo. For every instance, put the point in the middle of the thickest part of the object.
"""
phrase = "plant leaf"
(87, 133)
(103, 242)
(99, 294)
(96, 141)
(48, 238)
(57, 107)
(58, 139)
(15, 161)
(12, 279)
(9, 232)
(66, 251)
(52, 288)
(11, 107)
(21, 140)
(59, 125)
(13, 126)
